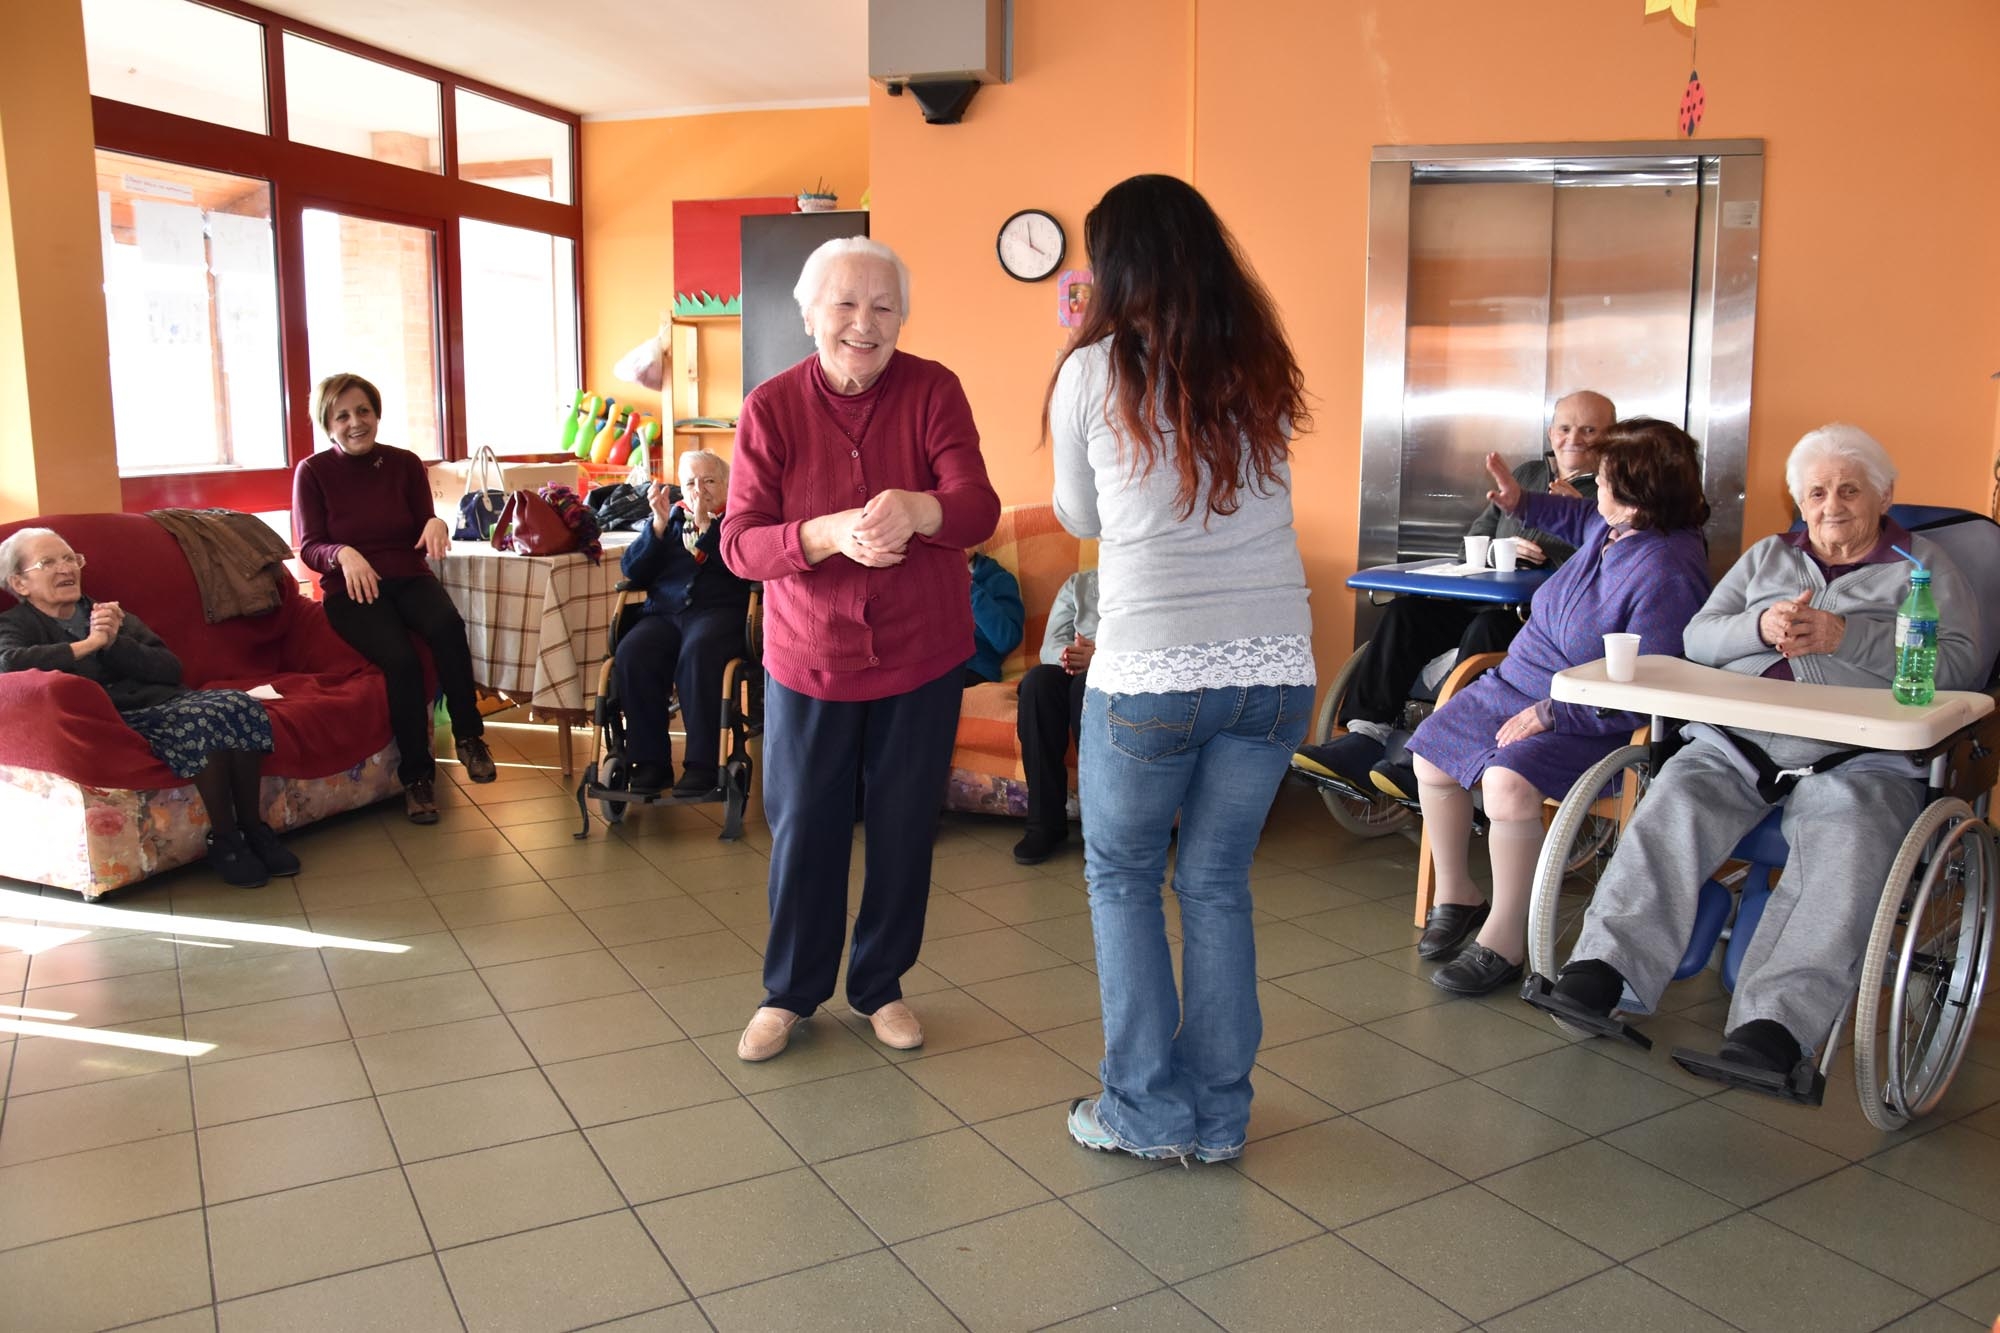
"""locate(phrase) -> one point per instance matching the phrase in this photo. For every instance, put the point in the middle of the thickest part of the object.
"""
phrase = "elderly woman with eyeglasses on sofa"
(214, 738)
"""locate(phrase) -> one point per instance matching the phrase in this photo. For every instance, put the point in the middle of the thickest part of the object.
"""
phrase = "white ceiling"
(623, 58)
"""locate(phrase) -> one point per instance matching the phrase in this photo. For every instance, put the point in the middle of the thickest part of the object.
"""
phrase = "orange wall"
(1879, 295)
(634, 170)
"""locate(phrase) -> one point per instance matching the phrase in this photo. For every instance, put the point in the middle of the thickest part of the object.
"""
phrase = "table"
(536, 625)
(1419, 578)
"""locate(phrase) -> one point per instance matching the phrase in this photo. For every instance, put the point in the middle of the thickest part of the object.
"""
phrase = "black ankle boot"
(229, 856)
(1591, 985)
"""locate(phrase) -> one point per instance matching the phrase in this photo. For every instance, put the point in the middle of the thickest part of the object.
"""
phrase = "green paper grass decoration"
(706, 303)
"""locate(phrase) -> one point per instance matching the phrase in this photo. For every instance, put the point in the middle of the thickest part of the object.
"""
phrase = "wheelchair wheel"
(1578, 846)
(1363, 817)
(1927, 955)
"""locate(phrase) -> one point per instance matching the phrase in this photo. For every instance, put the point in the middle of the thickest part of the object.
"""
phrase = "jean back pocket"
(1152, 726)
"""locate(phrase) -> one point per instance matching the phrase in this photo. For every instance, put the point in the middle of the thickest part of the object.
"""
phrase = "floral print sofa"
(85, 806)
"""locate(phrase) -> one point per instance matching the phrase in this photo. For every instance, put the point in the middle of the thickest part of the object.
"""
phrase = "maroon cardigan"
(377, 503)
(838, 630)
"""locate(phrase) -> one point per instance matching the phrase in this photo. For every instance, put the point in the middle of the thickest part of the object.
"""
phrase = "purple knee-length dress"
(1649, 583)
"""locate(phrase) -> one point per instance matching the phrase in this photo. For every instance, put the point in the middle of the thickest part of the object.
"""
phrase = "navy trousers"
(687, 651)
(815, 750)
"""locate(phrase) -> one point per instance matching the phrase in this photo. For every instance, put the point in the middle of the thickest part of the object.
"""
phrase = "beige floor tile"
(1667, 1032)
(1978, 1300)
(583, 858)
(948, 915)
(1473, 1252)
(1000, 1079)
(231, 985)
(534, 836)
(1752, 1273)
(1608, 1200)
(422, 956)
(112, 1002)
(94, 959)
(614, 888)
(474, 1113)
(1287, 895)
(461, 846)
(893, 1189)
(517, 1186)
(272, 1025)
(409, 1296)
(718, 1004)
(666, 917)
(681, 1152)
(1469, 1129)
(281, 1081)
(1303, 1285)
(1466, 1037)
(1886, 1225)
(744, 908)
(188, 1321)
(1284, 950)
(1033, 899)
(594, 1027)
(441, 878)
(104, 1187)
(1183, 1223)
(1616, 1298)
(351, 849)
(518, 941)
(94, 1115)
(1036, 1001)
(819, 1048)
(851, 1113)
(485, 907)
(1935, 1318)
(449, 997)
(741, 869)
(1353, 1068)
(1069, 936)
(860, 1295)
(1341, 1171)
(314, 1231)
(161, 1267)
(984, 955)
(281, 1152)
(1369, 928)
(1363, 990)
(645, 1081)
(669, 962)
(1959, 1165)
(560, 1277)
(546, 981)
(1037, 1142)
(380, 921)
(442, 1053)
(42, 1064)
(952, 1021)
(1082, 1044)
(979, 868)
(1724, 1153)
(1280, 1108)
(1165, 1311)
(1024, 1269)
(1581, 1088)
(321, 890)
(754, 1229)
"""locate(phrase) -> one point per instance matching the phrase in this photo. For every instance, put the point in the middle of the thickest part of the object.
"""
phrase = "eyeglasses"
(74, 560)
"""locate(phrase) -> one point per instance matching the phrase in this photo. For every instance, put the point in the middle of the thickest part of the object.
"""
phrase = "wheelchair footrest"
(1804, 1085)
(1540, 992)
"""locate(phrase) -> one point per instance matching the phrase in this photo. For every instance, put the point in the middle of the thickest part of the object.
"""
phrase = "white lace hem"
(1268, 659)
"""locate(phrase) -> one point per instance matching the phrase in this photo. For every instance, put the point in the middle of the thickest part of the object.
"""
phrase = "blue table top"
(1410, 578)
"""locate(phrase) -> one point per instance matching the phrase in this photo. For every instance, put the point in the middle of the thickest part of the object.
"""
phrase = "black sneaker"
(1398, 780)
(1037, 846)
(265, 846)
(229, 857)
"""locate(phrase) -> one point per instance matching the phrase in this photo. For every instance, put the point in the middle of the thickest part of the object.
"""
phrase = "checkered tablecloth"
(536, 624)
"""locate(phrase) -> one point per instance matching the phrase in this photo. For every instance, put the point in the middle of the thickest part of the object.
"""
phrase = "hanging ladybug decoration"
(1693, 102)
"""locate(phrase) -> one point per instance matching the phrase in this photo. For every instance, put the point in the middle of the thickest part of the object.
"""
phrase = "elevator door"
(1524, 290)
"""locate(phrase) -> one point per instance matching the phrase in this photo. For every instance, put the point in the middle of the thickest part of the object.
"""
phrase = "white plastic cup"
(1506, 554)
(1475, 551)
(1621, 656)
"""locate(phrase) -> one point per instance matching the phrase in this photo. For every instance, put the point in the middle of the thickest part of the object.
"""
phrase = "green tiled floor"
(532, 1117)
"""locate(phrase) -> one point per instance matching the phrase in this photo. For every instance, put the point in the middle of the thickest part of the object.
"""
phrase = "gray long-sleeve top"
(1074, 613)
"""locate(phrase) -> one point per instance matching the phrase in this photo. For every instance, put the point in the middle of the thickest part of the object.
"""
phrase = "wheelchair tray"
(1670, 687)
(1427, 578)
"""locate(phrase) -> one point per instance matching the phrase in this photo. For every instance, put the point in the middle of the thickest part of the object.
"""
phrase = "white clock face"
(1031, 245)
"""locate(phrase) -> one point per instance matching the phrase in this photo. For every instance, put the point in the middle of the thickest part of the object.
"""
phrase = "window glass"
(179, 57)
(519, 294)
(191, 305)
(511, 149)
(371, 310)
(355, 105)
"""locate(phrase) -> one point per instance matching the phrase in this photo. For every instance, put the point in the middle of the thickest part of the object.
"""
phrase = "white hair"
(11, 549)
(1839, 442)
(813, 276)
(721, 463)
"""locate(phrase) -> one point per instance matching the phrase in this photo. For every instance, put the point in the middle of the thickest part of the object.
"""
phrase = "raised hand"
(1506, 492)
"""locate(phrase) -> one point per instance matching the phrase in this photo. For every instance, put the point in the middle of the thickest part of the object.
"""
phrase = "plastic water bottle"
(1916, 642)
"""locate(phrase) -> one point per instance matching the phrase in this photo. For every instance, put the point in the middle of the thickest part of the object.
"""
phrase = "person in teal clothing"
(998, 618)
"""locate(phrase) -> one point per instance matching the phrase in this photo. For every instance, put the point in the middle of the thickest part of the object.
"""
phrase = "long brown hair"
(1196, 345)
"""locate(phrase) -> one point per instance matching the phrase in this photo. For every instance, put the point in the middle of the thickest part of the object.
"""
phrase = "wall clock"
(1030, 245)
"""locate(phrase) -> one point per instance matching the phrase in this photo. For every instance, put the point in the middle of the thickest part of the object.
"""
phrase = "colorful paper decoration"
(1682, 10)
(1693, 102)
(1072, 295)
(696, 304)
(708, 245)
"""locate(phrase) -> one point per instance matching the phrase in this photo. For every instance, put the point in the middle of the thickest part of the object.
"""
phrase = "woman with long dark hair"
(1171, 417)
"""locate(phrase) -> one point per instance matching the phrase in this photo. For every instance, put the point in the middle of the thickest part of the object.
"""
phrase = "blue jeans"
(1177, 1076)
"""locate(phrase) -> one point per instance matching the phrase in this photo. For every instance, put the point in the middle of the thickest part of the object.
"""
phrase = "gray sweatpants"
(1844, 829)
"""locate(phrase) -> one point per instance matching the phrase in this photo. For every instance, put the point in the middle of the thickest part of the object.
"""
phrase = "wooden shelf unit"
(707, 377)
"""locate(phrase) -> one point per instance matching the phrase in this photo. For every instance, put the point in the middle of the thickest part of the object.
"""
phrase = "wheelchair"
(1924, 967)
(607, 778)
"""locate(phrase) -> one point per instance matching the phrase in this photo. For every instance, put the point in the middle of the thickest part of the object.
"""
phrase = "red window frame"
(303, 176)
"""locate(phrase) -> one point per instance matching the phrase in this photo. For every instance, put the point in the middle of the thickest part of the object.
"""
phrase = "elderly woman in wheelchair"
(1817, 606)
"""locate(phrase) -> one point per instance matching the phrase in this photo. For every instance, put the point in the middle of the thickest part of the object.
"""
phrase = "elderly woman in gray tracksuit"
(1816, 606)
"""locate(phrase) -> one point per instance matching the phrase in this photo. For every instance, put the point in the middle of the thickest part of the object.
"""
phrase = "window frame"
(302, 176)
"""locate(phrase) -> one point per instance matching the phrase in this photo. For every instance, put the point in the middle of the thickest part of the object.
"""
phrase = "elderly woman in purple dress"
(1641, 568)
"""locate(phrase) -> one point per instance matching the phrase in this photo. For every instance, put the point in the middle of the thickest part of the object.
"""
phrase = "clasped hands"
(1799, 629)
(106, 618)
(878, 533)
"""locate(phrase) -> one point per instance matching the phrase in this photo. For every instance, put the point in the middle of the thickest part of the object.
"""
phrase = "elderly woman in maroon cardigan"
(856, 488)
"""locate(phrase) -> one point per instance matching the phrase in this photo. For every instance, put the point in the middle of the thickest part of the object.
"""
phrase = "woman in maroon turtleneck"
(362, 512)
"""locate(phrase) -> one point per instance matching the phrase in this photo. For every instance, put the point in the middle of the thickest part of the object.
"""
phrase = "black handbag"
(619, 506)
(480, 507)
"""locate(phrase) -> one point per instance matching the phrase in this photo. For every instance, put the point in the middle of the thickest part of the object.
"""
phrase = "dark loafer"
(1448, 926)
(1476, 971)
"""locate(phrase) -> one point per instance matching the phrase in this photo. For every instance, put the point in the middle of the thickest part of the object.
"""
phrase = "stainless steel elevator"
(1502, 277)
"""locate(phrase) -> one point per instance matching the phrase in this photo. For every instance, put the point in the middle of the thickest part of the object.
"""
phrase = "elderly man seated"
(1815, 606)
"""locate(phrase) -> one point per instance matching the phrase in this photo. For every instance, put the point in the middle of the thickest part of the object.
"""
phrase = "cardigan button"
(854, 453)
(874, 661)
